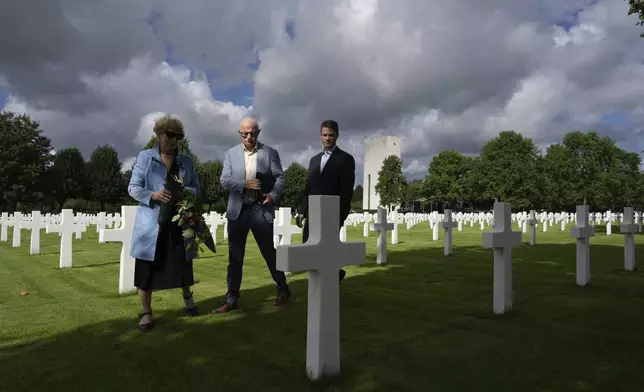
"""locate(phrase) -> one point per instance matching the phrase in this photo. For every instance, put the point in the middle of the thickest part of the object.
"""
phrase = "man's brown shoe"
(282, 298)
(226, 307)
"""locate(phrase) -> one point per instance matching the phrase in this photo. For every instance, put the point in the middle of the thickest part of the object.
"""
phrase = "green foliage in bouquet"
(190, 218)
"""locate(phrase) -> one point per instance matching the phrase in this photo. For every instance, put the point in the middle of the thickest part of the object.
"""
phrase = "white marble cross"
(124, 235)
(434, 223)
(582, 232)
(214, 220)
(66, 227)
(102, 221)
(285, 229)
(37, 223)
(533, 227)
(322, 256)
(365, 227)
(343, 233)
(629, 228)
(502, 239)
(394, 232)
(4, 221)
(448, 224)
(381, 226)
(16, 224)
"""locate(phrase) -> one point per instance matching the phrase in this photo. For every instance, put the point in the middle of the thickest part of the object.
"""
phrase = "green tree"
(356, 199)
(474, 185)
(414, 190)
(24, 160)
(105, 177)
(590, 156)
(558, 177)
(637, 7)
(621, 181)
(445, 180)
(126, 199)
(212, 192)
(392, 185)
(69, 175)
(294, 187)
(509, 170)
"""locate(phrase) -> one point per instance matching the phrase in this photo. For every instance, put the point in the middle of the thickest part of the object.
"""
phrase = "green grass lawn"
(424, 322)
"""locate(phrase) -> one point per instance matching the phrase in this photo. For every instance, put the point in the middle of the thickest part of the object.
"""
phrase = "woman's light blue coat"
(149, 176)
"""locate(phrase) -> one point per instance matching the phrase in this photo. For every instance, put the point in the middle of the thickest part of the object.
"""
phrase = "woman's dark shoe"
(146, 326)
(193, 311)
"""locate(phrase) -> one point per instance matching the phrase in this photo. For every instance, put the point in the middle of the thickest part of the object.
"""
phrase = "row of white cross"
(326, 252)
(323, 255)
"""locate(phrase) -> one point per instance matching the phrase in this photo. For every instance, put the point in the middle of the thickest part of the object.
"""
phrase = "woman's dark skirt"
(170, 269)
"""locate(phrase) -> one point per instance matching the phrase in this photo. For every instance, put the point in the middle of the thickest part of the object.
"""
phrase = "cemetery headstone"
(4, 223)
(323, 255)
(533, 227)
(448, 224)
(629, 228)
(66, 228)
(582, 232)
(381, 242)
(37, 223)
(502, 239)
(16, 224)
(124, 235)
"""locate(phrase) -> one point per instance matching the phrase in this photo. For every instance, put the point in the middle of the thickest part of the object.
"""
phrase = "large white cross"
(502, 239)
(629, 228)
(533, 227)
(284, 228)
(37, 223)
(582, 232)
(124, 235)
(394, 232)
(102, 221)
(381, 226)
(4, 221)
(66, 227)
(448, 224)
(609, 223)
(365, 227)
(434, 223)
(16, 224)
(214, 220)
(322, 256)
(343, 233)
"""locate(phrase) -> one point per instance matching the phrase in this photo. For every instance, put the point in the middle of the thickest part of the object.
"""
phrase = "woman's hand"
(163, 196)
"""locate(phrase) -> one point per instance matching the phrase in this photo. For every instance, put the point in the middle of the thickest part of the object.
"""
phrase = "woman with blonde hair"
(161, 259)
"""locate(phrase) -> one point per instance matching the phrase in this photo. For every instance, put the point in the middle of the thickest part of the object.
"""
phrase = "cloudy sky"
(439, 74)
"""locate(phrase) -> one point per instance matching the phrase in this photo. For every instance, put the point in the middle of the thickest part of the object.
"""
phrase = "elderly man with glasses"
(254, 177)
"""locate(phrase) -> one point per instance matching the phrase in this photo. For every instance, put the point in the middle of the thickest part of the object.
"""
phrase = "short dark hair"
(331, 125)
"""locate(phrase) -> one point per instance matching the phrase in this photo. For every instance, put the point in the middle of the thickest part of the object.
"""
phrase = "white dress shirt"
(325, 157)
(250, 164)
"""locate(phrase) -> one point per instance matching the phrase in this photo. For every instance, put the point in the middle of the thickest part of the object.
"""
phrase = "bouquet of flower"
(190, 219)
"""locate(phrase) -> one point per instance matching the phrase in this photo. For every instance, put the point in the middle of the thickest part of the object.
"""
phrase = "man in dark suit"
(331, 172)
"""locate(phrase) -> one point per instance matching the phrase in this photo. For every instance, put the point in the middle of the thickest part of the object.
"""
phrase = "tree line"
(584, 166)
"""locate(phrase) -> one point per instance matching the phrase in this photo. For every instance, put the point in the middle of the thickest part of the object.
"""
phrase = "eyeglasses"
(172, 135)
(247, 134)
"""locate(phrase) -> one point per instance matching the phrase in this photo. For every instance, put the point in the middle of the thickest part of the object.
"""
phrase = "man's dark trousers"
(255, 218)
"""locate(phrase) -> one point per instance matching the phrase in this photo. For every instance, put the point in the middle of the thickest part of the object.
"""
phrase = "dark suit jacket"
(336, 179)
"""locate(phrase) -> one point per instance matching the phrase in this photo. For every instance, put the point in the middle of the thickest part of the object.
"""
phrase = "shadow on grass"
(94, 265)
(422, 322)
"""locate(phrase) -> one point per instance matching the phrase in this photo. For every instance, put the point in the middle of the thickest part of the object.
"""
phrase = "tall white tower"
(375, 152)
